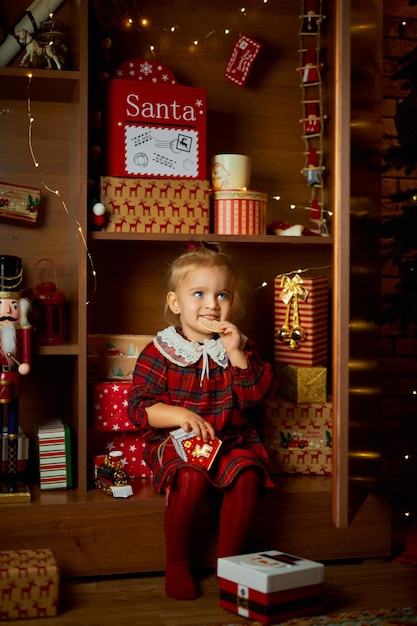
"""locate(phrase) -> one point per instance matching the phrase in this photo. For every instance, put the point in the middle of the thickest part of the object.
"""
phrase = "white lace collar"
(183, 352)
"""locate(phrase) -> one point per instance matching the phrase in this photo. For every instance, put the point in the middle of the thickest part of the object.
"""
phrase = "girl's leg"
(239, 502)
(186, 496)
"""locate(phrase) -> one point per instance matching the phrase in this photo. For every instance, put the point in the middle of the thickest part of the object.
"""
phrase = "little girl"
(201, 380)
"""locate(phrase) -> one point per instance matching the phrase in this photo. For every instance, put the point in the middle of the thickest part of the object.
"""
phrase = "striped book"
(54, 450)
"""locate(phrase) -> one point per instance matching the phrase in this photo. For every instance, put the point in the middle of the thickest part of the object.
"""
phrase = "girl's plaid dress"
(199, 377)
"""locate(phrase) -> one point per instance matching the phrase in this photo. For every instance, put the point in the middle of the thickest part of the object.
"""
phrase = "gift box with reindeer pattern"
(29, 584)
(298, 437)
(150, 205)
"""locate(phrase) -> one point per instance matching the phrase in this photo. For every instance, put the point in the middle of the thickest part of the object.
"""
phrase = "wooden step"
(94, 534)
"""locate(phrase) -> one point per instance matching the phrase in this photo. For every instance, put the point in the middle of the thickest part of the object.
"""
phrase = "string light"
(261, 286)
(56, 191)
(144, 22)
(293, 207)
(302, 271)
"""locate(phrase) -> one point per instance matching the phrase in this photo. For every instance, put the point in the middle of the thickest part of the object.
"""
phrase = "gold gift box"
(302, 384)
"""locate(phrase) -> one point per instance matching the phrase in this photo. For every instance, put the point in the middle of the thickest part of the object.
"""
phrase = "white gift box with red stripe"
(312, 302)
(270, 586)
(240, 212)
(54, 449)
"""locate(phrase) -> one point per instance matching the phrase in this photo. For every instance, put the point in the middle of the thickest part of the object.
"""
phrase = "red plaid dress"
(216, 390)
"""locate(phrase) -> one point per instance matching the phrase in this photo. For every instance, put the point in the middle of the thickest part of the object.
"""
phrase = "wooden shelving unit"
(91, 533)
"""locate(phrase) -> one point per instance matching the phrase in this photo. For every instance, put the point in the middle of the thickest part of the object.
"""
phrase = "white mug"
(231, 171)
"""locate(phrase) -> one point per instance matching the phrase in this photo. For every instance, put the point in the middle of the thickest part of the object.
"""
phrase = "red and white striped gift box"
(313, 317)
(54, 449)
(240, 212)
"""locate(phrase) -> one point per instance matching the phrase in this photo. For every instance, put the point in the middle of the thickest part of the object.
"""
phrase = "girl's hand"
(230, 335)
(199, 425)
(234, 343)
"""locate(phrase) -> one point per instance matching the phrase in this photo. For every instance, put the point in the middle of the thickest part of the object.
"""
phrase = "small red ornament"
(99, 220)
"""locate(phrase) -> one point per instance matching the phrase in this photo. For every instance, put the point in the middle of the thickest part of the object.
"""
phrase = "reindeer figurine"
(35, 49)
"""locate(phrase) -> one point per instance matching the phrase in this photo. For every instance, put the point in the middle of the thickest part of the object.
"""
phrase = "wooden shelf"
(143, 492)
(46, 85)
(325, 242)
(66, 349)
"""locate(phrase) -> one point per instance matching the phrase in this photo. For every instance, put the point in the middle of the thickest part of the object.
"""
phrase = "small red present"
(130, 444)
(193, 449)
(110, 406)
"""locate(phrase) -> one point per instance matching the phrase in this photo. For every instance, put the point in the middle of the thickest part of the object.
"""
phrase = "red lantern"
(49, 305)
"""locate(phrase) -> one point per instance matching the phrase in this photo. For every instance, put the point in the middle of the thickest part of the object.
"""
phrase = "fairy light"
(263, 284)
(301, 207)
(56, 191)
(144, 22)
(304, 270)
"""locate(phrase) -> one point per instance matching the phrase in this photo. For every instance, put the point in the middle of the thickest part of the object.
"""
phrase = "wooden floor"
(141, 600)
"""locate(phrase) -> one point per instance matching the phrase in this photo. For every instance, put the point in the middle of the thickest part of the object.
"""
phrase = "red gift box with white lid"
(270, 586)
(156, 128)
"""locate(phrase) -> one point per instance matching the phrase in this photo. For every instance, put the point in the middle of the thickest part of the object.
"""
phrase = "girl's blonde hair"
(201, 255)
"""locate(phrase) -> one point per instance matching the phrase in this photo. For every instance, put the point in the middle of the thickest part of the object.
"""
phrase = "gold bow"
(293, 287)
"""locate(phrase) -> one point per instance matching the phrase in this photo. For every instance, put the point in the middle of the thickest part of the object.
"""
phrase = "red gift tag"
(242, 58)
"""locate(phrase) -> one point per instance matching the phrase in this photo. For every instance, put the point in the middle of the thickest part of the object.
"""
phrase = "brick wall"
(399, 354)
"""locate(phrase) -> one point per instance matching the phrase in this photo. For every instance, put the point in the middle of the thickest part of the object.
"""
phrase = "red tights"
(186, 497)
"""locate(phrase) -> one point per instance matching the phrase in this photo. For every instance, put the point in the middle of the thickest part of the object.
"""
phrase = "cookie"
(211, 325)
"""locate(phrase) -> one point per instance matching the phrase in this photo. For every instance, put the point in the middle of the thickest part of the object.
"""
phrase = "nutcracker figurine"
(15, 356)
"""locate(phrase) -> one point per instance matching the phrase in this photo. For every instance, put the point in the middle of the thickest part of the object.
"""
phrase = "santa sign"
(156, 130)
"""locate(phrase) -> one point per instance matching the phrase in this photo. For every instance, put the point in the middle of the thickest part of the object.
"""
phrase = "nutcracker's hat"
(11, 272)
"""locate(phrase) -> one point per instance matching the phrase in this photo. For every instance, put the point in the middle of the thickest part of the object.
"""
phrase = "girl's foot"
(179, 583)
